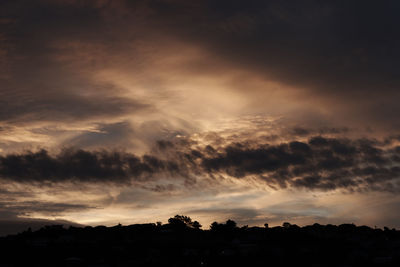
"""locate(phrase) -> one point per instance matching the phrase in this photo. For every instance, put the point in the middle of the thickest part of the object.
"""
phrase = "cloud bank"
(319, 163)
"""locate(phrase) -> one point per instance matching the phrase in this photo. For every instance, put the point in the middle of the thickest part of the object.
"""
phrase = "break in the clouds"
(293, 99)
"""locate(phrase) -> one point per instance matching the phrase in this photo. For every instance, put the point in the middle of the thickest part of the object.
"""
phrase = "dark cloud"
(301, 131)
(332, 45)
(337, 50)
(84, 166)
(49, 64)
(25, 208)
(320, 163)
(64, 107)
(14, 215)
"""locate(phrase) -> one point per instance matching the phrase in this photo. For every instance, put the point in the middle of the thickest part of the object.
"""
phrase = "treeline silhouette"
(182, 242)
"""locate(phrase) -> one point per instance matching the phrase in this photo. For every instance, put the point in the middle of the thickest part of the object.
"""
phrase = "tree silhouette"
(154, 244)
(181, 221)
(215, 226)
(196, 225)
(228, 226)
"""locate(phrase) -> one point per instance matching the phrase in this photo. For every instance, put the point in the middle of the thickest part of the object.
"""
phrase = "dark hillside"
(183, 243)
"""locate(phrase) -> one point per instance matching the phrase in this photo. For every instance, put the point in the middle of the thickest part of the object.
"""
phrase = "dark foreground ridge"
(181, 242)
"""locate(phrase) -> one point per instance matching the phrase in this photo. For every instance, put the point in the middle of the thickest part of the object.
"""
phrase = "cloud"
(304, 46)
(330, 53)
(49, 77)
(169, 98)
(65, 107)
(320, 163)
(25, 208)
(112, 135)
(175, 66)
(15, 214)
(295, 35)
(84, 166)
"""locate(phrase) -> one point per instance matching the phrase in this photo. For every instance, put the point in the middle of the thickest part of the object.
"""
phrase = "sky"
(258, 111)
